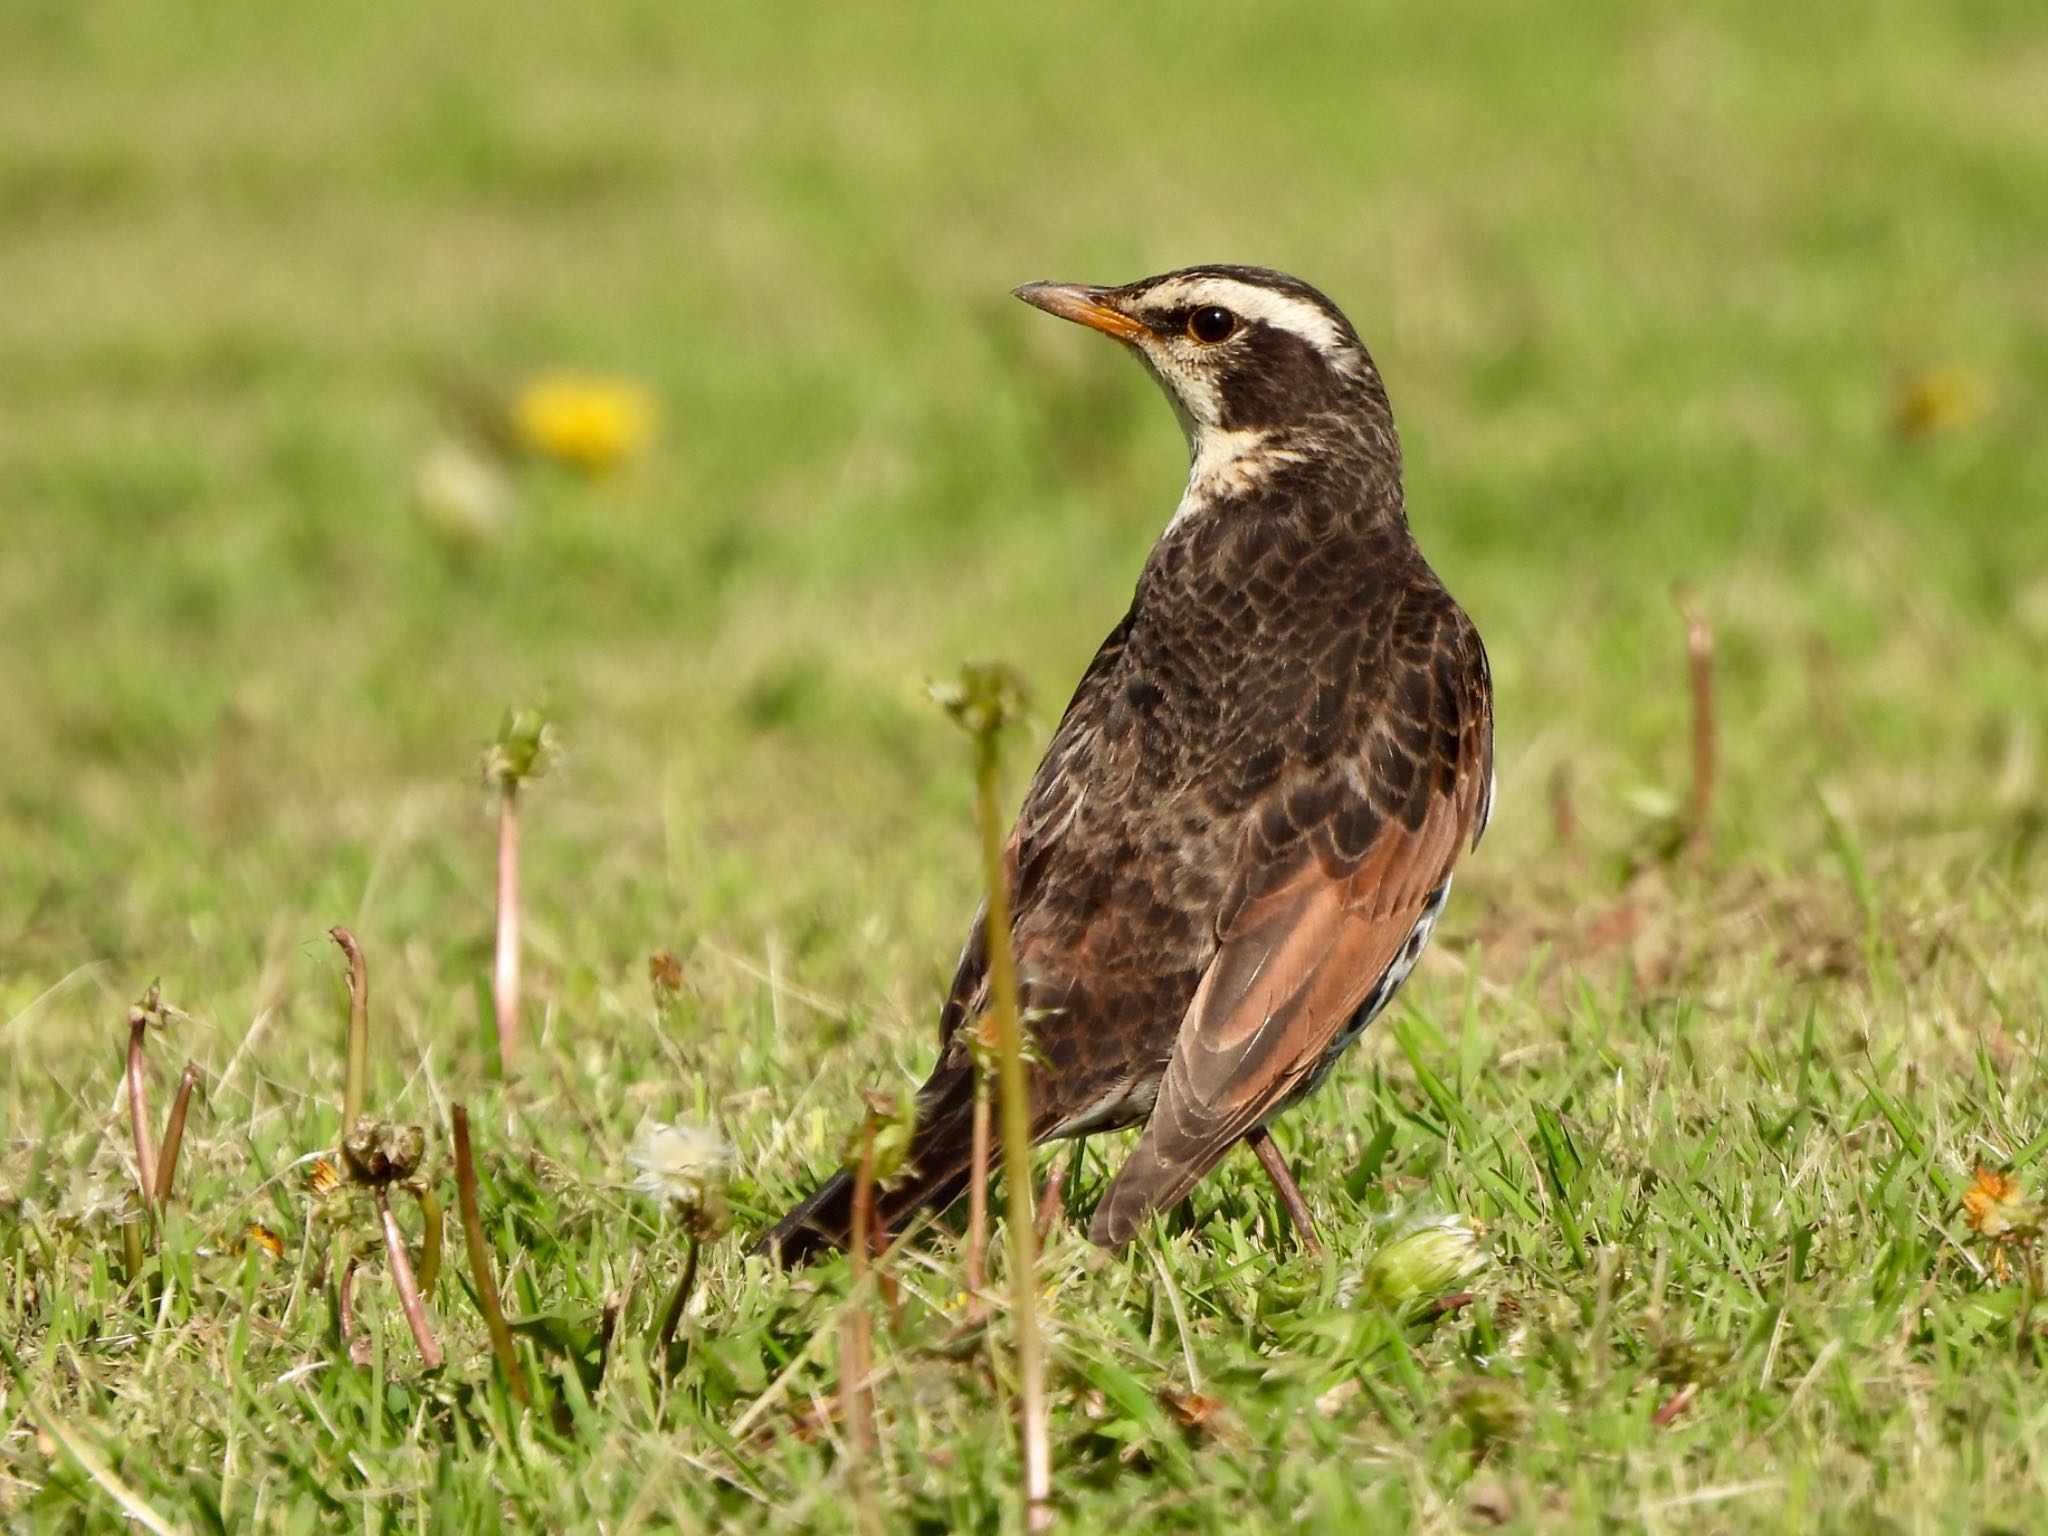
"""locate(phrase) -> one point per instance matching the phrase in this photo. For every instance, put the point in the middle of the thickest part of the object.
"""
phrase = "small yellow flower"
(322, 1176)
(1941, 400)
(1995, 1206)
(589, 421)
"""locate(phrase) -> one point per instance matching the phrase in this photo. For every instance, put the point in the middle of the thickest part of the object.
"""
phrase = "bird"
(1243, 830)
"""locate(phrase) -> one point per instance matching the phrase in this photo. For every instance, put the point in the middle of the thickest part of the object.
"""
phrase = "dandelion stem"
(856, 1327)
(138, 1110)
(1016, 1126)
(977, 1198)
(174, 1135)
(480, 1261)
(356, 1077)
(505, 970)
(679, 1300)
(408, 1287)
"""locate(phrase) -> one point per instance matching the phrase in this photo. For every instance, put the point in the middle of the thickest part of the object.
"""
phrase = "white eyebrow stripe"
(1307, 320)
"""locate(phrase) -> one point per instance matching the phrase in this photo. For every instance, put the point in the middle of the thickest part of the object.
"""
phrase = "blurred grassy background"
(1651, 288)
(1646, 288)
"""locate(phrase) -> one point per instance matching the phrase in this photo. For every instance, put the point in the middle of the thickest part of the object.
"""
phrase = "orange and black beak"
(1084, 305)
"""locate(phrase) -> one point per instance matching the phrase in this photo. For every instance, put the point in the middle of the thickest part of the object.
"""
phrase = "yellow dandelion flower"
(589, 421)
(1941, 400)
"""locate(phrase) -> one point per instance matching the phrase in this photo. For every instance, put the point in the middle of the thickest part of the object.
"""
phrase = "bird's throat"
(1227, 464)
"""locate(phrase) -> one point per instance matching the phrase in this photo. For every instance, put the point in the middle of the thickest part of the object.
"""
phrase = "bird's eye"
(1210, 325)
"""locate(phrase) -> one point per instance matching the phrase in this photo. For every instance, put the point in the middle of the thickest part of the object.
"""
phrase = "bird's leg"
(1260, 1140)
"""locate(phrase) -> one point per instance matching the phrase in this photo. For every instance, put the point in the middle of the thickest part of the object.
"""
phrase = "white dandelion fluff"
(682, 1166)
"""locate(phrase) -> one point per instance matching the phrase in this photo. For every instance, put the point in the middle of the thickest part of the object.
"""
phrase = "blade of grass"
(480, 1260)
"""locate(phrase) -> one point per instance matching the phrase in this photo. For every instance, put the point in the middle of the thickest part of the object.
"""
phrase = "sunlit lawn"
(1748, 302)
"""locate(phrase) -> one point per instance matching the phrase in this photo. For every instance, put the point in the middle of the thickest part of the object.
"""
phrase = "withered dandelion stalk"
(1699, 648)
(525, 748)
(977, 1196)
(480, 1260)
(408, 1287)
(992, 701)
(856, 1335)
(138, 1109)
(356, 1076)
(505, 966)
(174, 1135)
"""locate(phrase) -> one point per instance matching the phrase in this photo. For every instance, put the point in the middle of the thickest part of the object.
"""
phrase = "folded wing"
(1337, 868)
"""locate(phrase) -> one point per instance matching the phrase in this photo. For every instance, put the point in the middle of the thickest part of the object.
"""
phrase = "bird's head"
(1239, 350)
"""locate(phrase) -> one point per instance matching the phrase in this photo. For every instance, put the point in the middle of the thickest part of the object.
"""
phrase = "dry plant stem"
(977, 1199)
(1016, 1122)
(480, 1261)
(1699, 647)
(174, 1135)
(1676, 1404)
(672, 1317)
(138, 1117)
(856, 1327)
(1260, 1140)
(355, 1082)
(408, 1287)
(505, 969)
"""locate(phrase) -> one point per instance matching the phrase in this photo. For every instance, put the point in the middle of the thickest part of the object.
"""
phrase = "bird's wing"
(1337, 868)
(1046, 812)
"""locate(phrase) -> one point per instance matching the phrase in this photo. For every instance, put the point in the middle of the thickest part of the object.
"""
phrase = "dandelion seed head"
(682, 1166)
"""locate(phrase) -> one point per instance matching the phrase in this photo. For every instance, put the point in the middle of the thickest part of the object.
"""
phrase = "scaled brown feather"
(1298, 961)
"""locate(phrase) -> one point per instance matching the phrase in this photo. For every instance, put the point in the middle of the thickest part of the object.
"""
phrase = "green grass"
(1646, 287)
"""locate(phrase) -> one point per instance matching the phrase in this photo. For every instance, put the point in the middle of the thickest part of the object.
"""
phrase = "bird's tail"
(941, 1148)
